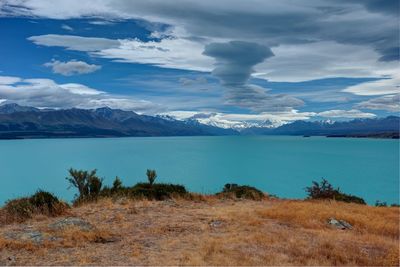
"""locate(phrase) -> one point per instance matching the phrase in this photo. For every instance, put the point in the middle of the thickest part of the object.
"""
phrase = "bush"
(380, 204)
(324, 190)
(157, 191)
(151, 176)
(117, 185)
(149, 190)
(41, 202)
(241, 191)
(87, 183)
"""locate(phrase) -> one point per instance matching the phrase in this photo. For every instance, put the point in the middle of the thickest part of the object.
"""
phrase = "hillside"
(207, 231)
(26, 122)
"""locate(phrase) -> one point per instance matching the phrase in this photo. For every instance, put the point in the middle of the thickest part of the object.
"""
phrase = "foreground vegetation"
(151, 223)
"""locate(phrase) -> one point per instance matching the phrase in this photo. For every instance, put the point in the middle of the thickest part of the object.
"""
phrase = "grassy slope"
(269, 232)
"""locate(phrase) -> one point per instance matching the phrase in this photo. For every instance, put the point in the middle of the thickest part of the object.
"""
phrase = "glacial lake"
(280, 165)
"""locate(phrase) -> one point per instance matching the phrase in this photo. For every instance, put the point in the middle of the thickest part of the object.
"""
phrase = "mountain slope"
(357, 127)
(28, 122)
(25, 122)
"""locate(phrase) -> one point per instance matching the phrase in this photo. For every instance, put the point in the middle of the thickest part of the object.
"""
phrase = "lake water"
(279, 165)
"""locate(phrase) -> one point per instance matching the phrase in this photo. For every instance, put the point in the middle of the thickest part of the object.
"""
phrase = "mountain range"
(28, 122)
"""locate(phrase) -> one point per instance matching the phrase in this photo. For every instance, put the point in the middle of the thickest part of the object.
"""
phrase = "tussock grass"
(314, 215)
(40, 203)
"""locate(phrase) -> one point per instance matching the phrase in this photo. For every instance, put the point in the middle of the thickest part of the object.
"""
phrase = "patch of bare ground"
(210, 231)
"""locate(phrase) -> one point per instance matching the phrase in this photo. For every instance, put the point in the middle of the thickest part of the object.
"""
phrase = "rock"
(25, 235)
(71, 222)
(216, 223)
(105, 240)
(340, 224)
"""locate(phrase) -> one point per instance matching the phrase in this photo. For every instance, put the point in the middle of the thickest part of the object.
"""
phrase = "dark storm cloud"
(234, 64)
(235, 60)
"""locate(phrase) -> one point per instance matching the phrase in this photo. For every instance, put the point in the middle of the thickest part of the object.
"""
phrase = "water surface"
(280, 165)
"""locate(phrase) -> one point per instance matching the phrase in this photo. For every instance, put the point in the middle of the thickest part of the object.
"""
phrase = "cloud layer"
(48, 94)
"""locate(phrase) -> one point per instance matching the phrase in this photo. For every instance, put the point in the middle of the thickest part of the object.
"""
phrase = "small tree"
(322, 190)
(117, 184)
(87, 183)
(151, 176)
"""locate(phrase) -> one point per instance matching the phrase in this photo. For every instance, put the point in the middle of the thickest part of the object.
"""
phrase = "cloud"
(72, 67)
(240, 121)
(389, 85)
(9, 80)
(47, 93)
(101, 22)
(189, 82)
(67, 28)
(234, 64)
(257, 99)
(353, 113)
(235, 60)
(388, 102)
(70, 42)
(368, 23)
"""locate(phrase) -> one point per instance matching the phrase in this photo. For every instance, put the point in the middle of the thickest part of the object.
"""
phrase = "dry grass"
(210, 231)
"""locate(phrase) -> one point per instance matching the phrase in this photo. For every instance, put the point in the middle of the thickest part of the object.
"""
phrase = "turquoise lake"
(280, 165)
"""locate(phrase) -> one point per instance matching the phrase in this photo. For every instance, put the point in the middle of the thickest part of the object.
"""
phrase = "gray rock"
(71, 222)
(25, 235)
(340, 224)
(216, 223)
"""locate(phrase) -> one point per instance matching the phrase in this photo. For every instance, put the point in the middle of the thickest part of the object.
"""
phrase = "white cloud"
(47, 93)
(389, 85)
(241, 121)
(67, 28)
(387, 102)
(71, 67)
(350, 114)
(77, 43)
(9, 80)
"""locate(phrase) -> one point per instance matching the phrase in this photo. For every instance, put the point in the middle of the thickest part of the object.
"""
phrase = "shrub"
(87, 183)
(117, 185)
(151, 176)
(41, 202)
(378, 203)
(324, 190)
(157, 191)
(241, 191)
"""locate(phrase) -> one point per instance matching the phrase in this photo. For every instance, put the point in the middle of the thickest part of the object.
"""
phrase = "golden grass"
(315, 214)
(181, 232)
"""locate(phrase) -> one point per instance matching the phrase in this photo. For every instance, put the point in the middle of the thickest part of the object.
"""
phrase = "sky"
(226, 62)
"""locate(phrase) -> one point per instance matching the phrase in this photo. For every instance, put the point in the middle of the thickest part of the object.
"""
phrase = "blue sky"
(228, 62)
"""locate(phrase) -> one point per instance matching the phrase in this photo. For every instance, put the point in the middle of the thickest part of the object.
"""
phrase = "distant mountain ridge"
(28, 122)
(356, 128)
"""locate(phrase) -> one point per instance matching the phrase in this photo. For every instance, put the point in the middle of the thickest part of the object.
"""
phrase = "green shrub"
(241, 191)
(157, 191)
(41, 202)
(20, 208)
(117, 185)
(380, 204)
(324, 190)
